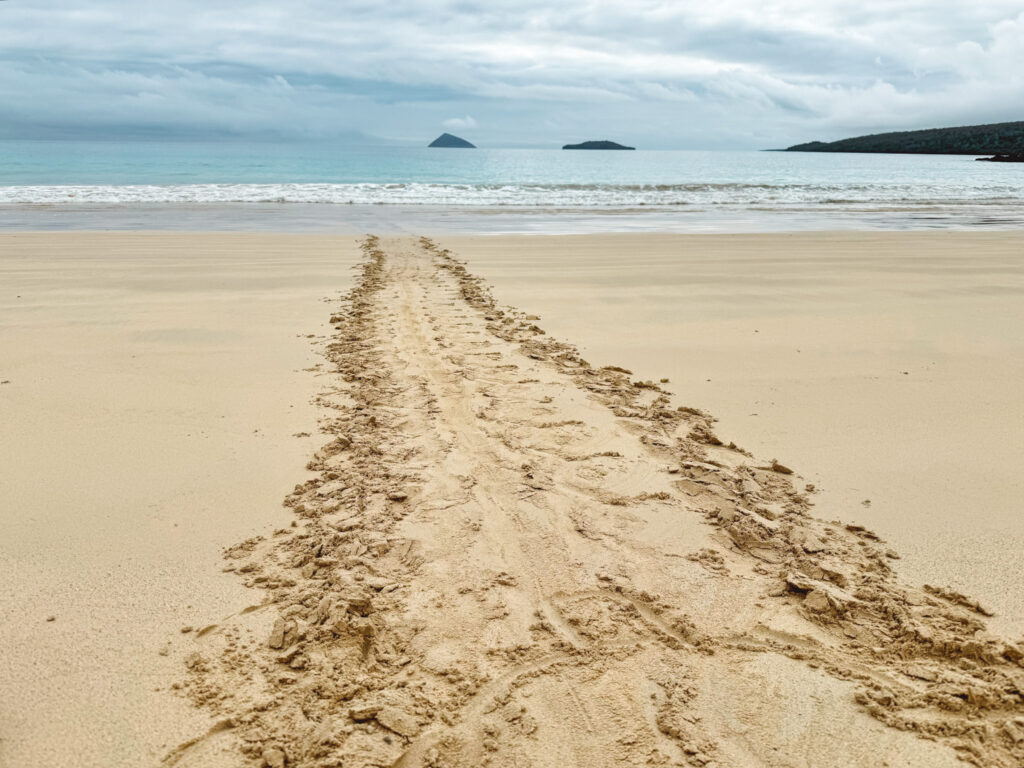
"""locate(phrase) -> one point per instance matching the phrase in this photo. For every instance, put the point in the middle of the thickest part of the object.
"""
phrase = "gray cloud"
(731, 73)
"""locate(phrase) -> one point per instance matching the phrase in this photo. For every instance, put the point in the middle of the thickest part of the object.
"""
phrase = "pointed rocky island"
(605, 144)
(448, 141)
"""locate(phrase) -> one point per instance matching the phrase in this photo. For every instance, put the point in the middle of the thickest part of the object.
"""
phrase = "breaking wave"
(524, 195)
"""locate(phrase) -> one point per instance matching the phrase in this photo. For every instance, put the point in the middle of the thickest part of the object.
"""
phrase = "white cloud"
(460, 123)
(653, 72)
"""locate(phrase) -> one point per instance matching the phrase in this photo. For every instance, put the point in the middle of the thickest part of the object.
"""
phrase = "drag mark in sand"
(509, 557)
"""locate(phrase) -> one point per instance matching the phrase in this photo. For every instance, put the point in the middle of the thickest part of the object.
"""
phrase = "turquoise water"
(902, 190)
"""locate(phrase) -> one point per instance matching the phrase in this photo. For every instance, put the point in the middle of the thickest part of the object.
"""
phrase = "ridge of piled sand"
(510, 557)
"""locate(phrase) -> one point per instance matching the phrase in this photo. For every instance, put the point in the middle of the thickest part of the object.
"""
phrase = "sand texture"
(888, 367)
(508, 557)
(153, 390)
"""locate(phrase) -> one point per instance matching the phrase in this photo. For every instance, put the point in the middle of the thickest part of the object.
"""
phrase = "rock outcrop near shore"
(1018, 158)
(604, 144)
(447, 141)
(993, 139)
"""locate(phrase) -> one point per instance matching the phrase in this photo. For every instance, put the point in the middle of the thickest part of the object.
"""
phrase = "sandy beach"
(888, 367)
(152, 389)
(496, 549)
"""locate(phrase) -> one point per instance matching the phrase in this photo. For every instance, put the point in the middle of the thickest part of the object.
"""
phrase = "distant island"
(993, 139)
(448, 141)
(597, 145)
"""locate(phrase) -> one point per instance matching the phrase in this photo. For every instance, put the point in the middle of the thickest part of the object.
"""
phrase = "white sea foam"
(527, 195)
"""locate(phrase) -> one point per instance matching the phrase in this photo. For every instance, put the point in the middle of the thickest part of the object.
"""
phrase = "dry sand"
(155, 384)
(504, 555)
(887, 367)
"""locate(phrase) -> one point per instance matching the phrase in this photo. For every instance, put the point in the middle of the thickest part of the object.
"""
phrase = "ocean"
(322, 186)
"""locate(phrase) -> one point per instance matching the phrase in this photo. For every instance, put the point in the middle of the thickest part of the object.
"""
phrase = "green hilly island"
(992, 139)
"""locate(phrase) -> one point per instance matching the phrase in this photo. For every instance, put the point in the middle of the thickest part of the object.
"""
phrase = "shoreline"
(317, 266)
(464, 220)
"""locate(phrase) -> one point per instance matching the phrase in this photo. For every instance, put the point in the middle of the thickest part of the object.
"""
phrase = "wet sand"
(499, 551)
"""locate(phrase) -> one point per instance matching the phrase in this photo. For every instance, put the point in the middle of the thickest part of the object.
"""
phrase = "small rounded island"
(605, 144)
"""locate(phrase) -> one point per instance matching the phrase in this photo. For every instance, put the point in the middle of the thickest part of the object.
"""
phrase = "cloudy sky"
(727, 73)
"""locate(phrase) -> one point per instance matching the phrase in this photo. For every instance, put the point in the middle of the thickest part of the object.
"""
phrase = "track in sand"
(509, 557)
